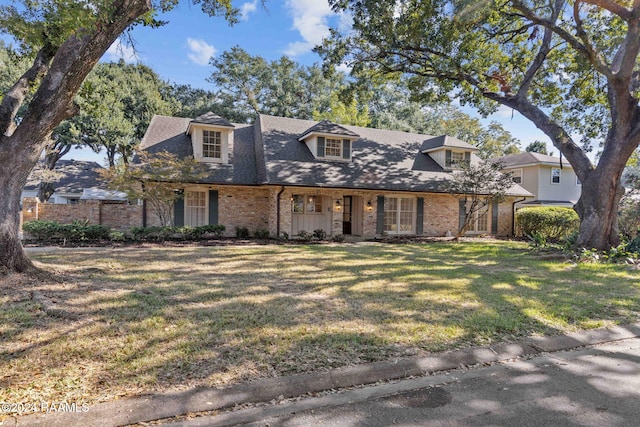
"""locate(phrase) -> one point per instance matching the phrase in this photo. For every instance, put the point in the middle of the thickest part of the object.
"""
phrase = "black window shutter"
(420, 216)
(346, 149)
(462, 213)
(447, 158)
(494, 218)
(467, 157)
(178, 212)
(380, 215)
(320, 146)
(213, 207)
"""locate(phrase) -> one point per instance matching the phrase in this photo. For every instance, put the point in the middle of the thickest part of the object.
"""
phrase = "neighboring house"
(552, 182)
(75, 180)
(289, 175)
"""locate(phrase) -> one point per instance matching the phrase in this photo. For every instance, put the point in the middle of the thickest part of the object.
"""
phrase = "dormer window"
(329, 141)
(457, 159)
(333, 148)
(212, 138)
(212, 144)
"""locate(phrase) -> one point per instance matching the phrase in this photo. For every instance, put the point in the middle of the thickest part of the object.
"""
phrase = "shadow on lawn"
(153, 319)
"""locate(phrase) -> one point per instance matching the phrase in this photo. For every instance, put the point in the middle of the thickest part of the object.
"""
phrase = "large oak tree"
(570, 67)
(64, 40)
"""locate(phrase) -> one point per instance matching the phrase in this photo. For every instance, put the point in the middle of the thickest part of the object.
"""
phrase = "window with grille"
(212, 144)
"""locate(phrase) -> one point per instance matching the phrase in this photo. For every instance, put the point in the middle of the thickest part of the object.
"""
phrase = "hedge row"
(77, 231)
(549, 223)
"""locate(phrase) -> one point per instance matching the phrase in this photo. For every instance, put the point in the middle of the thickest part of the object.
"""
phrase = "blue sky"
(180, 51)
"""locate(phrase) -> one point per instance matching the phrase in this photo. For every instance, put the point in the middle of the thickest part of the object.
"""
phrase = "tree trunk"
(12, 256)
(598, 210)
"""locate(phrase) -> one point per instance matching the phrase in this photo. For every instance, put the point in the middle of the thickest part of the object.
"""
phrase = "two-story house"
(288, 175)
(552, 181)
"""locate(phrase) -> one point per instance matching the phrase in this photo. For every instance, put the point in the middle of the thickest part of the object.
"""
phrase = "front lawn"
(168, 318)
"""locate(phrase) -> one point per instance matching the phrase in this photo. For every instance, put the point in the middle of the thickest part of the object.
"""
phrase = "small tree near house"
(158, 180)
(481, 185)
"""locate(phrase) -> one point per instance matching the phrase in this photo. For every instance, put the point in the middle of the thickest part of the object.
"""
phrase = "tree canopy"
(570, 67)
(62, 40)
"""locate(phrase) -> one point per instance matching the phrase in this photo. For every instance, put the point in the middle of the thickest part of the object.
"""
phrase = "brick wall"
(95, 212)
(245, 207)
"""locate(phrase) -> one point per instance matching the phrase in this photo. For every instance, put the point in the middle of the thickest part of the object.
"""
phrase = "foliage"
(346, 113)
(319, 234)
(391, 106)
(548, 222)
(117, 102)
(156, 179)
(249, 85)
(569, 70)
(305, 235)
(480, 185)
(261, 233)
(217, 230)
(338, 238)
(242, 232)
(537, 147)
(77, 231)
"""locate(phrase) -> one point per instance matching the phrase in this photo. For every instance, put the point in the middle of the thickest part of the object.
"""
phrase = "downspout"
(278, 212)
(513, 215)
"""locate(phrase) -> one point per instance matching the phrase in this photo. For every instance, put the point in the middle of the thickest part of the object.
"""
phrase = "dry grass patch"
(172, 318)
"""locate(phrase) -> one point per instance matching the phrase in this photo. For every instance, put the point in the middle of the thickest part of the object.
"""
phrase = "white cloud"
(119, 51)
(310, 20)
(248, 8)
(201, 51)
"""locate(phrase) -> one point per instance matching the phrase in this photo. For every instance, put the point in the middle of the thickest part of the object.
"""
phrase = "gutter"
(278, 212)
(513, 215)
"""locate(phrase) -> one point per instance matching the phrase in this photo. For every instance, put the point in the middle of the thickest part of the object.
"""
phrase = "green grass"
(171, 318)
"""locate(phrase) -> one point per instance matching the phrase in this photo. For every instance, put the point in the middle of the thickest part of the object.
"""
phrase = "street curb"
(167, 405)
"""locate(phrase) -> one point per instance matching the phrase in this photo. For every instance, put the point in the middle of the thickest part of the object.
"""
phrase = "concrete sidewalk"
(163, 406)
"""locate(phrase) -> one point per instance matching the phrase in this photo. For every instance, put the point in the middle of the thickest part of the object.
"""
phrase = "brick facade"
(95, 212)
(256, 208)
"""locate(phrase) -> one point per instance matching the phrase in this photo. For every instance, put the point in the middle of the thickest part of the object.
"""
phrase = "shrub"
(634, 245)
(319, 234)
(261, 233)
(242, 232)
(284, 235)
(339, 238)
(216, 229)
(305, 235)
(548, 223)
(117, 236)
(41, 230)
(77, 231)
(152, 233)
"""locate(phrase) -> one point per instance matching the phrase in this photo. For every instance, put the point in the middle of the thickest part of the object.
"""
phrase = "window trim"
(521, 172)
(305, 202)
(187, 217)
(559, 176)
(216, 133)
(398, 211)
(341, 149)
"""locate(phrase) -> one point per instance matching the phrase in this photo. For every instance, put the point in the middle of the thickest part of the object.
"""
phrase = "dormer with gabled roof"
(449, 152)
(211, 137)
(329, 141)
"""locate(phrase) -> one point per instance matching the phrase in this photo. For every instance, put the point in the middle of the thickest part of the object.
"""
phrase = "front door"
(347, 216)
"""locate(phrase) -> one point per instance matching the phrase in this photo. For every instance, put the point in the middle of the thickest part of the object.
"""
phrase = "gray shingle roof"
(76, 176)
(270, 152)
(528, 158)
(168, 134)
(212, 119)
(443, 141)
(326, 126)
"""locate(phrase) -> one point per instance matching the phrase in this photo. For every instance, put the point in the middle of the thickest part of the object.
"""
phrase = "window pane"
(406, 214)
(555, 176)
(333, 148)
(390, 214)
(314, 204)
(196, 208)
(212, 144)
(297, 204)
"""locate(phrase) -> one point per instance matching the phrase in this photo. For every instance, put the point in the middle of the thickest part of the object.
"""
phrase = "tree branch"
(613, 7)
(16, 95)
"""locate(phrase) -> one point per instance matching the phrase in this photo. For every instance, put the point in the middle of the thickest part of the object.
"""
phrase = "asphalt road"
(595, 386)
